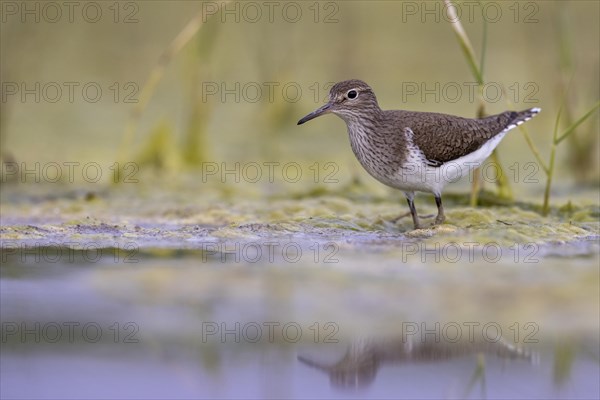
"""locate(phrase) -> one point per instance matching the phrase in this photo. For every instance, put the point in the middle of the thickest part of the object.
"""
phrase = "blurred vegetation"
(582, 145)
(174, 126)
(581, 149)
(161, 150)
(564, 355)
(478, 376)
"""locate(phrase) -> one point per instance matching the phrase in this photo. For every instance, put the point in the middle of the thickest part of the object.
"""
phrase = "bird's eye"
(352, 94)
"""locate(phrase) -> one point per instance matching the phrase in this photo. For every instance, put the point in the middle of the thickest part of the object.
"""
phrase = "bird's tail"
(519, 117)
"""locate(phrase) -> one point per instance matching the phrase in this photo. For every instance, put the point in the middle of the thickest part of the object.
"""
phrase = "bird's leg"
(440, 217)
(413, 211)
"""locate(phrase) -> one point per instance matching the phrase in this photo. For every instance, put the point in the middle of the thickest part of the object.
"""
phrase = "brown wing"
(444, 138)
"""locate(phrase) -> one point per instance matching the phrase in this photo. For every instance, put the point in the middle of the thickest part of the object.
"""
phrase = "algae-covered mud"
(146, 293)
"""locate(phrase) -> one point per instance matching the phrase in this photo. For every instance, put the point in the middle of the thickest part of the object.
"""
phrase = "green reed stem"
(556, 140)
(184, 36)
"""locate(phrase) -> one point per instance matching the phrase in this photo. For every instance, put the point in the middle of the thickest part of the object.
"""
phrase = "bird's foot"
(440, 219)
(395, 220)
(417, 225)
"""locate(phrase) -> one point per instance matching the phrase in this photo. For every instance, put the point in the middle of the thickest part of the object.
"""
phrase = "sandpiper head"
(349, 100)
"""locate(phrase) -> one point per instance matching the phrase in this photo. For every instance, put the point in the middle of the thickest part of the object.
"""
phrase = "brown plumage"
(444, 138)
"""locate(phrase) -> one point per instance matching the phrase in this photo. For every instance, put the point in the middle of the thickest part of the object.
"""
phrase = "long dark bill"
(319, 111)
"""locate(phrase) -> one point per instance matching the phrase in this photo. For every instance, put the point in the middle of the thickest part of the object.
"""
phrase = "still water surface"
(187, 324)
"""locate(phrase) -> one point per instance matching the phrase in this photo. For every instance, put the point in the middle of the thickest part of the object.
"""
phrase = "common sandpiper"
(415, 151)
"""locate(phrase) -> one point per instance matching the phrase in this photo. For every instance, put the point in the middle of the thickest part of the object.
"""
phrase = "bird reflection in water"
(364, 357)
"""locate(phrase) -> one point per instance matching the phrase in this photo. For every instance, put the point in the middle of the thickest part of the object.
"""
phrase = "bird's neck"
(367, 140)
(362, 128)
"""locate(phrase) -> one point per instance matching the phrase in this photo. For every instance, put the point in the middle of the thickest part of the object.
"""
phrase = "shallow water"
(304, 299)
(178, 325)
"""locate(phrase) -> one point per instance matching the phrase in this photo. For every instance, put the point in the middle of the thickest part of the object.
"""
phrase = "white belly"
(418, 176)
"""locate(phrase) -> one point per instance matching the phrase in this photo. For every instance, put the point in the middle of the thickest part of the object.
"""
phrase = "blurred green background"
(533, 50)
